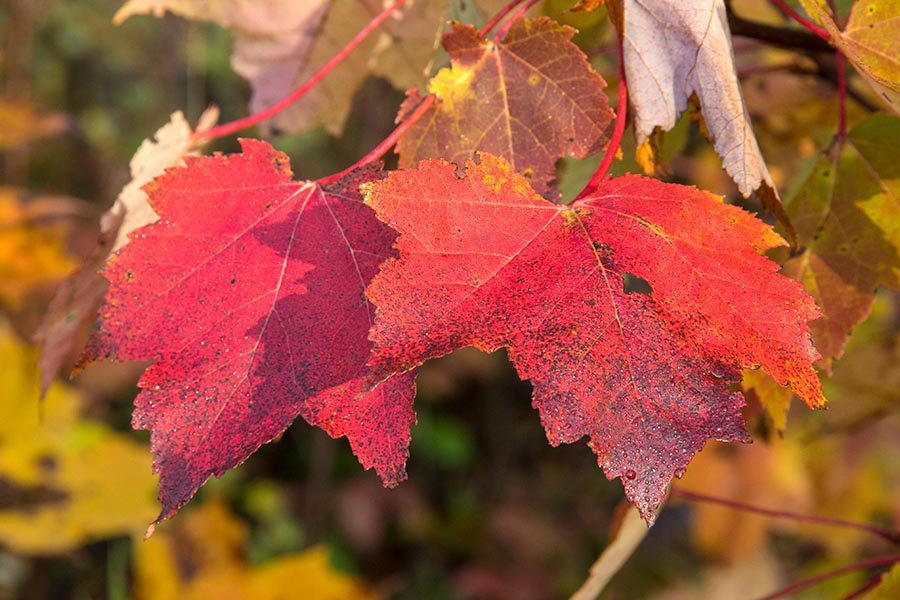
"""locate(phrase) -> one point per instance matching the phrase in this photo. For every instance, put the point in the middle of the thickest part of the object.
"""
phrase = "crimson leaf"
(631, 311)
(247, 295)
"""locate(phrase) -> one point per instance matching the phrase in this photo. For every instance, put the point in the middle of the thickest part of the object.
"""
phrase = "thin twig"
(785, 37)
(868, 587)
(816, 29)
(387, 143)
(877, 561)
(504, 29)
(891, 536)
(499, 16)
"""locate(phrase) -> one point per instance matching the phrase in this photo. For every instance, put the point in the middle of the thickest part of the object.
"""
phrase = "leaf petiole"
(618, 131)
(877, 561)
(816, 29)
(388, 142)
(504, 29)
(499, 17)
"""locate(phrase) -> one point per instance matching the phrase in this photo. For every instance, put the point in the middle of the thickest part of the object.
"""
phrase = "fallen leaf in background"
(889, 588)
(629, 532)
(64, 481)
(753, 577)
(201, 556)
(770, 475)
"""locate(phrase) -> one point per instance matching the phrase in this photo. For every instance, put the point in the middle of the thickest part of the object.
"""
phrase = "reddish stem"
(877, 561)
(618, 131)
(870, 585)
(254, 119)
(842, 94)
(504, 29)
(891, 536)
(385, 145)
(816, 29)
(499, 16)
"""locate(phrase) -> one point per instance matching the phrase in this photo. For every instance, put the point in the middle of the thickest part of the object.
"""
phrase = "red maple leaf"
(247, 295)
(631, 311)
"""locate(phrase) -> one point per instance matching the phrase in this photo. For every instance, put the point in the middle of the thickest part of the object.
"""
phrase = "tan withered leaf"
(870, 42)
(847, 216)
(74, 307)
(675, 48)
(272, 39)
(531, 99)
(280, 43)
(400, 51)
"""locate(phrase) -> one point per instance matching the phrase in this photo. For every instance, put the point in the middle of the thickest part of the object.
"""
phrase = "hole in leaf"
(632, 284)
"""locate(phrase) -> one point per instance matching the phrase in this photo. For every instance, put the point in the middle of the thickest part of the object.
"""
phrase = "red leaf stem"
(816, 29)
(504, 29)
(618, 131)
(842, 95)
(387, 143)
(254, 119)
(877, 561)
(499, 16)
(869, 586)
(891, 536)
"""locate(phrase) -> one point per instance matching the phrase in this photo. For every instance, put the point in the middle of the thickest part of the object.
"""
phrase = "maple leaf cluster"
(632, 310)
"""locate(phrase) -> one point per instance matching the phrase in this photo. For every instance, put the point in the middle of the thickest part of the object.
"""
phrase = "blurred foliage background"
(490, 509)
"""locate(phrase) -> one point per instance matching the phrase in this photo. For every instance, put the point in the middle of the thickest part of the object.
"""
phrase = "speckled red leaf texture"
(631, 311)
(531, 99)
(248, 297)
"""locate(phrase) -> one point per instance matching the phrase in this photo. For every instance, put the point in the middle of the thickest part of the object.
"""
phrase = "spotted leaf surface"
(247, 296)
(629, 312)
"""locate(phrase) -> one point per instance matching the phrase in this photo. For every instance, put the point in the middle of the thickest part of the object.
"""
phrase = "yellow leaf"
(870, 42)
(70, 480)
(774, 398)
(200, 556)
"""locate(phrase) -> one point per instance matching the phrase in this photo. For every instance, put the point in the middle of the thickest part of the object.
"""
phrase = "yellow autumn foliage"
(66, 480)
(200, 556)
